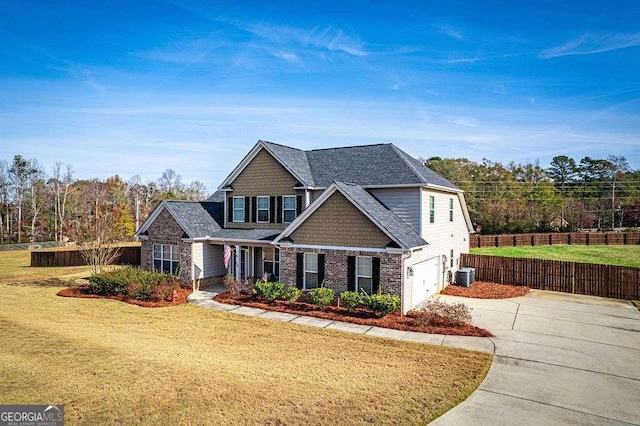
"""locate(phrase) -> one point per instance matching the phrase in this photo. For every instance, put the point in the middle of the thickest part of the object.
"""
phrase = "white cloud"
(288, 56)
(588, 44)
(452, 32)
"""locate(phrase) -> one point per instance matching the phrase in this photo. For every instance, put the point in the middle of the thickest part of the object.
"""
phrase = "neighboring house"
(361, 217)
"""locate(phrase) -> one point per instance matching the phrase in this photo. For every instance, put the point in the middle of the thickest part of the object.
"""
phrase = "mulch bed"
(484, 290)
(410, 322)
(82, 291)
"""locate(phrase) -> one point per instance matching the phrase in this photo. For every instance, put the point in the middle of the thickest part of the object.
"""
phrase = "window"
(238, 209)
(166, 258)
(364, 274)
(451, 259)
(288, 208)
(310, 271)
(450, 209)
(271, 263)
(263, 209)
(432, 209)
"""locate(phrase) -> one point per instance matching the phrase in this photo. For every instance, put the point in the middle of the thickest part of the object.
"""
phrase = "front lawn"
(110, 362)
(609, 255)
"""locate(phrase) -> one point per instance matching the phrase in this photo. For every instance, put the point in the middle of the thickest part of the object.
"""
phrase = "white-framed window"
(432, 209)
(450, 209)
(271, 262)
(166, 258)
(364, 274)
(238, 209)
(263, 209)
(288, 208)
(451, 259)
(310, 271)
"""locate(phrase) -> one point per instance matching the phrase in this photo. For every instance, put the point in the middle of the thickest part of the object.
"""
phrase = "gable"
(165, 228)
(264, 175)
(337, 222)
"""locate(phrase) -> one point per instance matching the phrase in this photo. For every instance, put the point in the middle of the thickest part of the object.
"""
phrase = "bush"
(457, 312)
(351, 299)
(268, 290)
(164, 290)
(321, 296)
(118, 280)
(140, 291)
(235, 287)
(382, 304)
(291, 295)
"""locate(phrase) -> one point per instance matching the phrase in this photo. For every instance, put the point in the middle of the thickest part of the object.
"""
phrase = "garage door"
(425, 280)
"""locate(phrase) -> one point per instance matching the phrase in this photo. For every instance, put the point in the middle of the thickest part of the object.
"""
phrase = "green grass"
(608, 255)
(113, 363)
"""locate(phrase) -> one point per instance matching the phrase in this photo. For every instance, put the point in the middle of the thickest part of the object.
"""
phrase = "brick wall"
(337, 222)
(335, 268)
(165, 230)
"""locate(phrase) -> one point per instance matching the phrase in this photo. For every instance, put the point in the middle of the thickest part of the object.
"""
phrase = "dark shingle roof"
(247, 234)
(383, 217)
(367, 165)
(197, 218)
(294, 159)
(217, 197)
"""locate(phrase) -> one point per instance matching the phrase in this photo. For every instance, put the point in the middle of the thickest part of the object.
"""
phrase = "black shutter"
(320, 268)
(230, 210)
(279, 210)
(376, 274)
(351, 273)
(299, 205)
(254, 209)
(299, 270)
(272, 208)
(247, 208)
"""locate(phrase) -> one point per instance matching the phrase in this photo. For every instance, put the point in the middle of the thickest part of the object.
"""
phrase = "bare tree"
(5, 184)
(18, 174)
(98, 246)
(62, 182)
(35, 179)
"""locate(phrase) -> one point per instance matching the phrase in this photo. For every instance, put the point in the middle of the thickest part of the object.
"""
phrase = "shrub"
(351, 299)
(291, 295)
(235, 287)
(321, 296)
(456, 312)
(118, 280)
(140, 291)
(268, 290)
(164, 290)
(382, 304)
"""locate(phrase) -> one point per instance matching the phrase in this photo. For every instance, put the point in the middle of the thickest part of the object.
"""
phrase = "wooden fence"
(546, 239)
(128, 256)
(618, 282)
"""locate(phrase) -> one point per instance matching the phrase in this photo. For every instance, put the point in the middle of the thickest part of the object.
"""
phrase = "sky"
(137, 87)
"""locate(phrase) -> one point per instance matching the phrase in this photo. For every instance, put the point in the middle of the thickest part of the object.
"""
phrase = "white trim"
(258, 197)
(244, 209)
(465, 213)
(304, 270)
(295, 207)
(341, 248)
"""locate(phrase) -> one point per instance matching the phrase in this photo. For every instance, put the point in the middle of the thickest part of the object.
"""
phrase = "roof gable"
(387, 221)
(196, 218)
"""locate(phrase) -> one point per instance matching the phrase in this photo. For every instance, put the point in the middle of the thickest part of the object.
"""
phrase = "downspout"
(404, 258)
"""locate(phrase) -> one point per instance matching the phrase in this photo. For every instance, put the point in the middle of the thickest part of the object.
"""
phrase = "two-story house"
(350, 218)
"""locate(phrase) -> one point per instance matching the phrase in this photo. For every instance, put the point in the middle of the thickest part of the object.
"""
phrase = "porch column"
(238, 263)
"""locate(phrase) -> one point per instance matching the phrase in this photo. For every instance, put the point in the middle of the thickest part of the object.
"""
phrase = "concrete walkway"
(481, 344)
(558, 358)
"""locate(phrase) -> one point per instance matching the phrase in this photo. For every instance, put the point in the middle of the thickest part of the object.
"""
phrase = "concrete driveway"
(559, 359)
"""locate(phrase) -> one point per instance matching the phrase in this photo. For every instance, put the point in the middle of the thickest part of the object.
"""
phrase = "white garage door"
(425, 280)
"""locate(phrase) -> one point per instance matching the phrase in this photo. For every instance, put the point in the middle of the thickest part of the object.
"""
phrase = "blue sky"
(136, 87)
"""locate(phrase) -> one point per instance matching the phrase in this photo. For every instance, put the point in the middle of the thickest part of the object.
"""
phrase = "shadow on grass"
(49, 282)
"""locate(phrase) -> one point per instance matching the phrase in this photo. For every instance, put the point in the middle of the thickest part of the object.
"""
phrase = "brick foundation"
(335, 268)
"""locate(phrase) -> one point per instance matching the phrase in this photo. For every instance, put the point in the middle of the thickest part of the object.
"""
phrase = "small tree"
(98, 247)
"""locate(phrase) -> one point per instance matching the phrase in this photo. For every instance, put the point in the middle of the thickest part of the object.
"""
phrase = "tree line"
(565, 196)
(39, 205)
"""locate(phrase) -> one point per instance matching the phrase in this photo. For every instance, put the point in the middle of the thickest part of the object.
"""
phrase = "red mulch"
(409, 322)
(82, 292)
(484, 290)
